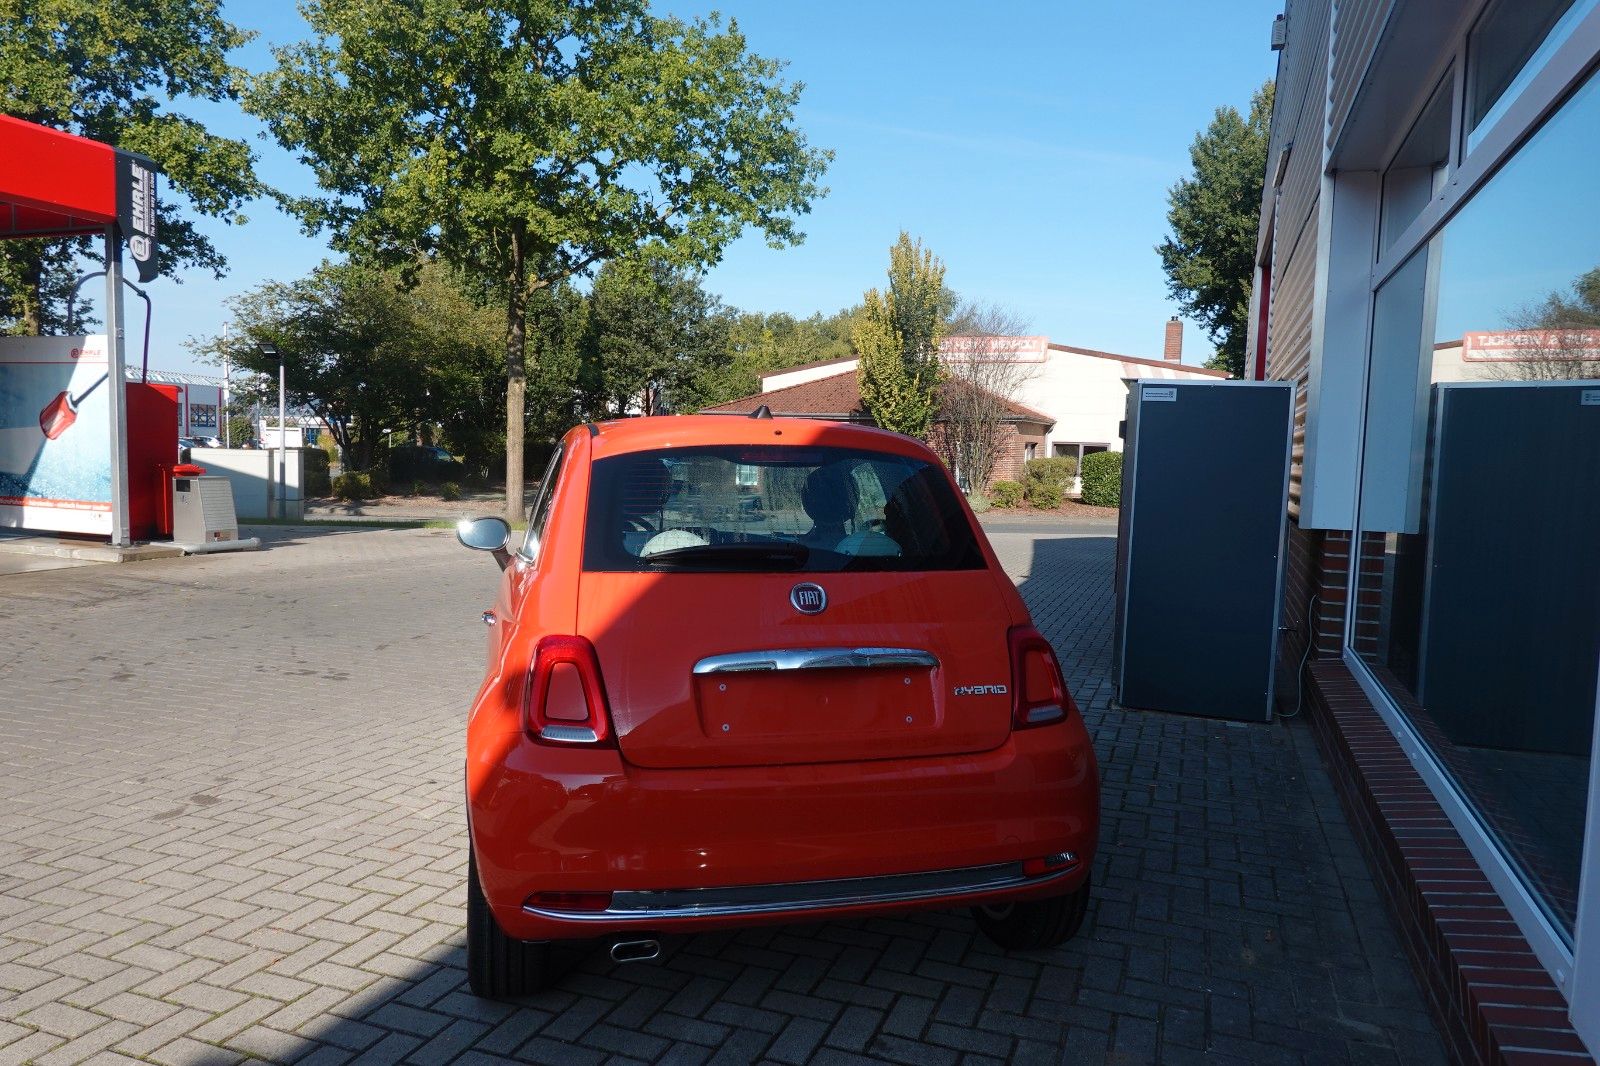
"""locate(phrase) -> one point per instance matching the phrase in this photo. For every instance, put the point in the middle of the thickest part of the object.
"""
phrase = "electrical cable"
(1300, 671)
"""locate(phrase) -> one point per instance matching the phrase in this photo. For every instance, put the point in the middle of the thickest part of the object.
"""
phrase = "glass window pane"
(1420, 167)
(1503, 51)
(1478, 593)
(774, 509)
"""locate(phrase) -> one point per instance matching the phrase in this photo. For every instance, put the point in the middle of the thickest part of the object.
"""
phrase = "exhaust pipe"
(635, 950)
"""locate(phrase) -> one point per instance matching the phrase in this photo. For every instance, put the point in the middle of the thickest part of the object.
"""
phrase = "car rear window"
(768, 508)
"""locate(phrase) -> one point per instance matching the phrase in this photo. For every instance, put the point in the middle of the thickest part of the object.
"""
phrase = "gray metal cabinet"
(1200, 543)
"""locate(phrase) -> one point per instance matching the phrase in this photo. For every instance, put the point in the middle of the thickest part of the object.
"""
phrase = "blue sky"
(1030, 145)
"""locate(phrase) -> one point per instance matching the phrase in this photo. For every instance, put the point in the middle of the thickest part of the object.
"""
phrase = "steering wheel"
(636, 524)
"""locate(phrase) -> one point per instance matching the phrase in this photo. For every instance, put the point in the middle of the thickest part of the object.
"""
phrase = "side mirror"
(486, 535)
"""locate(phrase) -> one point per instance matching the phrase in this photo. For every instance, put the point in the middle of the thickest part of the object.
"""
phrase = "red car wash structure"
(57, 472)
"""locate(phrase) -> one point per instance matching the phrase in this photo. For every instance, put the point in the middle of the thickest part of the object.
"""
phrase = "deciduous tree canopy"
(897, 336)
(113, 72)
(529, 140)
(1214, 213)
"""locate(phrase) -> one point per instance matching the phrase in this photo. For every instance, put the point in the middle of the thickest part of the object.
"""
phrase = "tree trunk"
(516, 376)
(33, 290)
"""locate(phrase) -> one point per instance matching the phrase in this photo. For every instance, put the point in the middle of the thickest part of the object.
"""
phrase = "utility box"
(1200, 542)
(202, 511)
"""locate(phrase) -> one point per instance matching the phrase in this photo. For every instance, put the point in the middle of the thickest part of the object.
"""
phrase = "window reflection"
(1478, 593)
(1503, 50)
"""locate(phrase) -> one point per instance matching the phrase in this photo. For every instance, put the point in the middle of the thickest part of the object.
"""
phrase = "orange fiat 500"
(752, 670)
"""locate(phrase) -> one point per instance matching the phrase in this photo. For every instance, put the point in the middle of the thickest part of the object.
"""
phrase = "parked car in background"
(758, 670)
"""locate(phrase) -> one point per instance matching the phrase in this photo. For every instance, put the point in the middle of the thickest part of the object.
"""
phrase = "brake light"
(566, 699)
(1039, 695)
(576, 902)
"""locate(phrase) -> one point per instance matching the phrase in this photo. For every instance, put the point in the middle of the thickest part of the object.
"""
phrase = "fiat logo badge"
(808, 598)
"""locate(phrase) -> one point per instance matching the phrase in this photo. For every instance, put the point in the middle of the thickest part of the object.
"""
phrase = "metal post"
(227, 379)
(118, 398)
(283, 441)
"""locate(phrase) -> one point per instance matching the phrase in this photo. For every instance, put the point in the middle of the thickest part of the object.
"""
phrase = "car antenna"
(761, 412)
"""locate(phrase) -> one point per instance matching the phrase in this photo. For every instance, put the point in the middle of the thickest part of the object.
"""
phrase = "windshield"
(774, 509)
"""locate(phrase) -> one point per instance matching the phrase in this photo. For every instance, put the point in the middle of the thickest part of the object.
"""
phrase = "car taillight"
(1038, 695)
(577, 902)
(566, 700)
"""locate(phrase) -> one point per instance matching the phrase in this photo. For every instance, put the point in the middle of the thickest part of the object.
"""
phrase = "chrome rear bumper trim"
(814, 659)
(805, 895)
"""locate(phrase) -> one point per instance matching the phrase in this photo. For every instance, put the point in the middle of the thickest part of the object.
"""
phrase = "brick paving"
(231, 829)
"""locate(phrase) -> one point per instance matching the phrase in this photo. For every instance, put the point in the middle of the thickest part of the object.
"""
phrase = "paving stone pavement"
(231, 829)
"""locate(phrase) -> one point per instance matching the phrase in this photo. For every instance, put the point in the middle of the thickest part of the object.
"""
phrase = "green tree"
(113, 72)
(651, 334)
(530, 140)
(897, 337)
(365, 351)
(1210, 258)
(757, 343)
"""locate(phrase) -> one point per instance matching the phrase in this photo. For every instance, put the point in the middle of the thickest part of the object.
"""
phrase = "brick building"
(1427, 276)
(1070, 400)
(837, 397)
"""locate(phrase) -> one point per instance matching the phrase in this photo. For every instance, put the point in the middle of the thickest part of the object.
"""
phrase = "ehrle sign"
(1523, 344)
(136, 211)
(994, 348)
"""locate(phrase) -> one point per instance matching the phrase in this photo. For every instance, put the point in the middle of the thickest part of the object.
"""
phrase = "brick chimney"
(1172, 351)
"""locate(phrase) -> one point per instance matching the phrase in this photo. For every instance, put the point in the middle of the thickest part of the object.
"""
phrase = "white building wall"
(782, 379)
(1086, 395)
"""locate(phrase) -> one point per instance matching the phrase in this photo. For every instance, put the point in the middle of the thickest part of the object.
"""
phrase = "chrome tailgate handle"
(740, 662)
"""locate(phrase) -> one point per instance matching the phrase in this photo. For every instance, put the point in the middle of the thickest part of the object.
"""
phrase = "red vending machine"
(152, 453)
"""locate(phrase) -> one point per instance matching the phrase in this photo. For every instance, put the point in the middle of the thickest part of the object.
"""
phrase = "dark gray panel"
(1202, 548)
(1509, 652)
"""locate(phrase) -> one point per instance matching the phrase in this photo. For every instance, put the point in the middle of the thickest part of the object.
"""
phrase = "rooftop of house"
(838, 396)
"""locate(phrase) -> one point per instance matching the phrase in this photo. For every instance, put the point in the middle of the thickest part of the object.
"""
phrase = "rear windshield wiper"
(743, 555)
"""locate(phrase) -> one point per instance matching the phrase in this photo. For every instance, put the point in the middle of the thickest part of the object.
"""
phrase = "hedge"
(1056, 470)
(1102, 479)
(1006, 493)
(1046, 495)
(318, 483)
(353, 485)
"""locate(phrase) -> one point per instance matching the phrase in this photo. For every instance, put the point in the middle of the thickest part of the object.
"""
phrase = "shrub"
(450, 491)
(318, 482)
(415, 462)
(1057, 471)
(1102, 479)
(978, 502)
(1045, 495)
(1006, 493)
(416, 489)
(354, 485)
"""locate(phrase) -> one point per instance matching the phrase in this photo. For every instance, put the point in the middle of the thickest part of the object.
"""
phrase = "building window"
(1419, 168)
(1477, 593)
(1506, 48)
(1030, 451)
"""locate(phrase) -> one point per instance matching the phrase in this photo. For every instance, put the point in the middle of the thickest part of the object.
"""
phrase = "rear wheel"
(1034, 924)
(499, 967)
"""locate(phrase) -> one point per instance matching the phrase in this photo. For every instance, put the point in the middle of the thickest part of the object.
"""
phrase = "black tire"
(1036, 924)
(499, 967)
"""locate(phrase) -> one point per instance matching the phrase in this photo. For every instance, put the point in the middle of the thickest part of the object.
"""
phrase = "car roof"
(690, 431)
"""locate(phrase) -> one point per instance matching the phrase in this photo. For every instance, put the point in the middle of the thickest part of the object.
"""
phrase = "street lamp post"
(227, 379)
(269, 351)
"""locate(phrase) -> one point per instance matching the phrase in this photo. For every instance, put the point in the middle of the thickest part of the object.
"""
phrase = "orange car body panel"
(679, 802)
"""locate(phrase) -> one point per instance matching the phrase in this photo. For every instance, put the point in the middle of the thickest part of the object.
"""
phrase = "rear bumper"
(698, 849)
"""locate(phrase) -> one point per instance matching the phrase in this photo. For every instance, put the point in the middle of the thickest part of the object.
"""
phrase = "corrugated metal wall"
(1308, 96)
(1356, 26)
(1299, 118)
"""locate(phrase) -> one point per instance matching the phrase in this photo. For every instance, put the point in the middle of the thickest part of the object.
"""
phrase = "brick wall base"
(1493, 1001)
